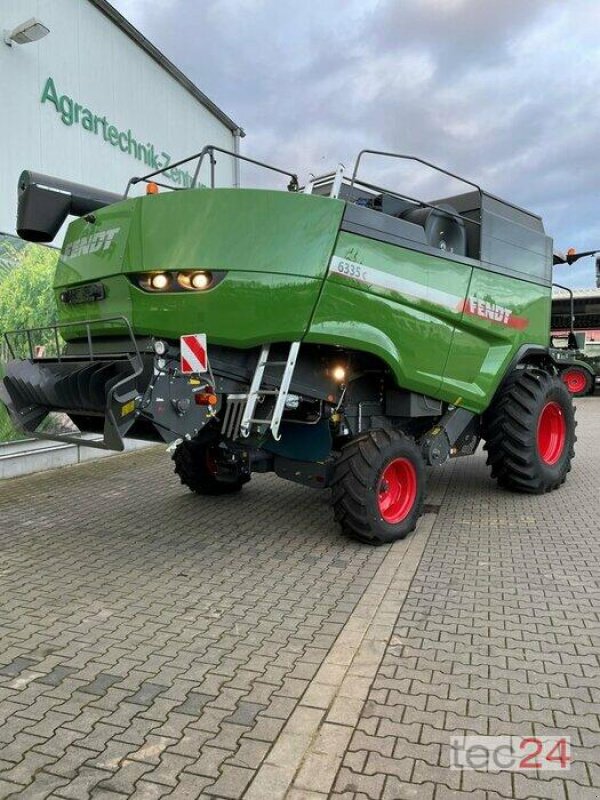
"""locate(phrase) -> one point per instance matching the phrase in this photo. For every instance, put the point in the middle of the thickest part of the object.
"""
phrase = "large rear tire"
(378, 487)
(530, 432)
(196, 465)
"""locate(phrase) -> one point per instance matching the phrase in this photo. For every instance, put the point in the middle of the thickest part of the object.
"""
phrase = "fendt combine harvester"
(343, 336)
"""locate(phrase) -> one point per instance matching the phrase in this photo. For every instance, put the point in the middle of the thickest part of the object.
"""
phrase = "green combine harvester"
(343, 335)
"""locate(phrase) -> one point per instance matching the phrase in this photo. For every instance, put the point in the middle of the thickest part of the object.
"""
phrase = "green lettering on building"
(73, 113)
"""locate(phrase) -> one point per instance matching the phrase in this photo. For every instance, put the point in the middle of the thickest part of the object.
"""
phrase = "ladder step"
(280, 394)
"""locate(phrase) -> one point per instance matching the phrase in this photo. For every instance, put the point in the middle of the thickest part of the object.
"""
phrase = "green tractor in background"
(344, 336)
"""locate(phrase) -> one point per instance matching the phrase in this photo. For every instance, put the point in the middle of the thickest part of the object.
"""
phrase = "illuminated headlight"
(155, 281)
(192, 280)
(160, 347)
(160, 281)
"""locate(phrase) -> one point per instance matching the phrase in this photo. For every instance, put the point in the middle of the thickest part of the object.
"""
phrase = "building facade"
(94, 102)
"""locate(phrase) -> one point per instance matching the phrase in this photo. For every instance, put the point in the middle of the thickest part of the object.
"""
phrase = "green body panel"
(407, 329)
(424, 327)
(82, 266)
(482, 350)
(273, 246)
(445, 326)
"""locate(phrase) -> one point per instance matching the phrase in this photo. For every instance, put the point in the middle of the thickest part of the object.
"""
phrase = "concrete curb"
(36, 455)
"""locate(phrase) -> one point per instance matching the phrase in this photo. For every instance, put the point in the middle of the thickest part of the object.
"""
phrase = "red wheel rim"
(574, 380)
(397, 490)
(551, 433)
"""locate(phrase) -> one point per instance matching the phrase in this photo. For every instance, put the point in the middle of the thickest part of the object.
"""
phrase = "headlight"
(194, 280)
(189, 280)
(160, 282)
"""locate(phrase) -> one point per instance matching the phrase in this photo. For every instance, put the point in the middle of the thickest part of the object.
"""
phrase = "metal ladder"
(256, 391)
(335, 178)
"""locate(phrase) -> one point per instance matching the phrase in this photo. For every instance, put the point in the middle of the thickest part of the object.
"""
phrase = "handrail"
(405, 157)
(87, 324)
(571, 303)
(210, 149)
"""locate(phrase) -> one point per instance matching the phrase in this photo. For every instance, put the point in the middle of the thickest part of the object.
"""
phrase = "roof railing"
(405, 157)
(210, 151)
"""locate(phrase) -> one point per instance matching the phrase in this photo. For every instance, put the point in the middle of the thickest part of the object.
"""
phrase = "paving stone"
(245, 714)
(25, 771)
(249, 754)
(147, 693)
(267, 729)
(56, 676)
(124, 779)
(190, 787)
(101, 684)
(43, 785)
(232, 782)
(370, 785)
(152, 750)
(19, 746)
(56, 745)
(396, 789)
(279, 707)
(10, 789)
(80, 785)
(194, 704)
(168, 769)
(209, 763)
(191, 743)
(70, 763)
(146, 790)
(17, 666)
(211, 720)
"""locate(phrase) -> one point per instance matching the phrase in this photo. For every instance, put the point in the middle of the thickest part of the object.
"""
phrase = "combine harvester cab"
(342, 336)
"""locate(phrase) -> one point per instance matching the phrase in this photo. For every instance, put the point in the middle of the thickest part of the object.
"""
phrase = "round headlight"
(159, 281)
(200, 280)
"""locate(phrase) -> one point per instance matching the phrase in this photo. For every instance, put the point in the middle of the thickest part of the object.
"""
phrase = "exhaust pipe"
(46, 202)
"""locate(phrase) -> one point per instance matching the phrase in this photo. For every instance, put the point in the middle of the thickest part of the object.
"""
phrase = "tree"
(10, 248)
(26, 301)
(26, 296)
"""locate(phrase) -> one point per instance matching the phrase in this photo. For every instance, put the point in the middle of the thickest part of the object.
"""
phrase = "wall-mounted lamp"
(29, 31)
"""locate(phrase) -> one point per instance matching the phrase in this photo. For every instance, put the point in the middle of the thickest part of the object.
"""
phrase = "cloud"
(502, 92)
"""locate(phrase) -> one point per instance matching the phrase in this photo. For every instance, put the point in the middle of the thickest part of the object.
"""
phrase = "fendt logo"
(94, 243)
(493, 312)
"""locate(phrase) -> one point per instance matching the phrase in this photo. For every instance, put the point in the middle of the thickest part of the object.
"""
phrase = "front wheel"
(378, 487)
(530, 432)
(199, 467)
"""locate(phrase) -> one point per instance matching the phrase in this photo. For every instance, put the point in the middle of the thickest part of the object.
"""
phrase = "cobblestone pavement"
(154, 643)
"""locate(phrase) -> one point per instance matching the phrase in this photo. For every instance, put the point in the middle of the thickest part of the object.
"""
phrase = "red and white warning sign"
(193, 353)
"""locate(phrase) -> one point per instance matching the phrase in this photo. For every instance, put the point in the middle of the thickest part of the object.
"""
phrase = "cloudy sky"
(504, 92)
